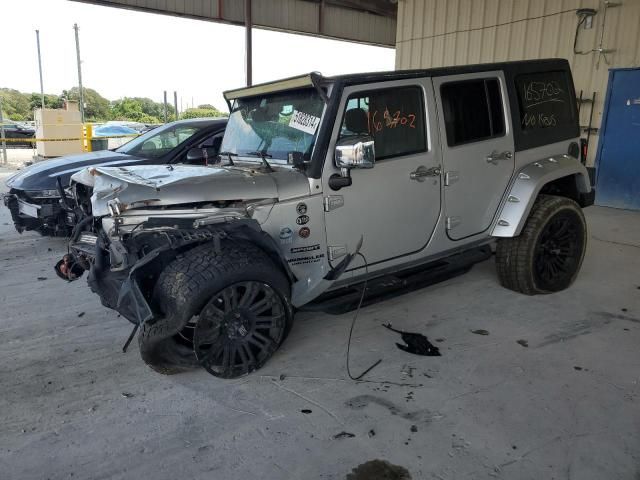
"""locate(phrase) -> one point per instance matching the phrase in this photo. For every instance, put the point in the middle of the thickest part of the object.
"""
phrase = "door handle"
(494, 156)
(423, 172)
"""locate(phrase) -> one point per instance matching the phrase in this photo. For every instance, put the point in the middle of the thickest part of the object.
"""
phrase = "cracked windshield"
(278, 126)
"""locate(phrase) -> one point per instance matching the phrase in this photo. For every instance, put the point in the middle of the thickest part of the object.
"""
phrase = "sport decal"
(309, 248)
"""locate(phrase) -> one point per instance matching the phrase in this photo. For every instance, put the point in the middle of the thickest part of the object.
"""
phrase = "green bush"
(201, 112)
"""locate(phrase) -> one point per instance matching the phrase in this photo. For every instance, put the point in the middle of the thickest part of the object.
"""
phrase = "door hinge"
(332, 202)
(453, 222)
(337, 251)
(451, 177)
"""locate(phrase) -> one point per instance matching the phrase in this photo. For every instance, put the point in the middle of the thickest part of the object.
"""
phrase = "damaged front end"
(136, 223)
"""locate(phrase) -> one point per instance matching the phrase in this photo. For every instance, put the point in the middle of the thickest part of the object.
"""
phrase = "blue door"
(618, 159)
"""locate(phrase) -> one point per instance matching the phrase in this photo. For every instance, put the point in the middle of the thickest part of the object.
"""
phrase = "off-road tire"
(520, 260)
(188, 283)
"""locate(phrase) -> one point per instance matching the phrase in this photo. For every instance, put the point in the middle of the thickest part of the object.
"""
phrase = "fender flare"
(526, 186)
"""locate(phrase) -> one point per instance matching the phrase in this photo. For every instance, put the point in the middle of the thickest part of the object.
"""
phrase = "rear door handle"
(494, 156)
(423, 172)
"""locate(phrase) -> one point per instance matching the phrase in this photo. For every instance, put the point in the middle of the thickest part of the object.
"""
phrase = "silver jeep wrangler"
(323, 183)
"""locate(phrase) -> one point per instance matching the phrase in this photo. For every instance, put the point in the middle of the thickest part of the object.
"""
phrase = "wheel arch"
(560, 175)
(249, 230)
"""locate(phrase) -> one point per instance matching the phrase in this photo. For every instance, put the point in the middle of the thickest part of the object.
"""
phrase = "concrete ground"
(18, 157)
(567, 406)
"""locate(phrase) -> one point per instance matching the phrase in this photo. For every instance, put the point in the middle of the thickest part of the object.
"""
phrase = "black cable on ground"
(353, 323)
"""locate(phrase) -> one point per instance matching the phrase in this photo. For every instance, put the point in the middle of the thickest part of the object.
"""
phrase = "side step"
(381, 288)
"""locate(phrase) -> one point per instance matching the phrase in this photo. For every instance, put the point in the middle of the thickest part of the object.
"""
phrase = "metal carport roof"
(363, 21)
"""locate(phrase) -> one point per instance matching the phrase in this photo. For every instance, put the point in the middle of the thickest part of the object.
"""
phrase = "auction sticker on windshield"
(305, 122)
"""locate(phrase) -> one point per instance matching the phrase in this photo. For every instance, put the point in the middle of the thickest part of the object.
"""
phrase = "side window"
(394, 117)
(472, 110)
(545, 100)
(214, 141)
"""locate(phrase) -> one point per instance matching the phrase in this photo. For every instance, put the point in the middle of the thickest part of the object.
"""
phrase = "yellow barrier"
(33, 140)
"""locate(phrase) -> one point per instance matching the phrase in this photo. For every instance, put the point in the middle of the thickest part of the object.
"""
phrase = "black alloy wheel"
(239, 329)
(558, 250)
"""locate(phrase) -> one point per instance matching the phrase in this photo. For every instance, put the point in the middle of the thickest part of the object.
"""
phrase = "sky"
(133, 54)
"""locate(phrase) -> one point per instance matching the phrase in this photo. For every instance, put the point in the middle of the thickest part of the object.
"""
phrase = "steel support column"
(247, 27)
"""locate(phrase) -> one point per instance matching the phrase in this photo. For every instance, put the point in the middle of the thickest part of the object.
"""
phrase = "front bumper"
(32, 214)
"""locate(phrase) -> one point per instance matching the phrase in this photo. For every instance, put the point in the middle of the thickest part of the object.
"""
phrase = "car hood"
(43, 175)
(145, 186)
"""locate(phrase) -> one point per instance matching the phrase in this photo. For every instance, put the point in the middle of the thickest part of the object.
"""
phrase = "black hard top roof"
(514, 66)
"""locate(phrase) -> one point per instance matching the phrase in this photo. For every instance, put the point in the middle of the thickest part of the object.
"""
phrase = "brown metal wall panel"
(298, 16)
(426, 37)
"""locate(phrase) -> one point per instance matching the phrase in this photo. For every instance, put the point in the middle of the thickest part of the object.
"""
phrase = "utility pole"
(75, 27)
(165, 106)
(247, 29)
(40, 68)
(175, 102)
(4, 144)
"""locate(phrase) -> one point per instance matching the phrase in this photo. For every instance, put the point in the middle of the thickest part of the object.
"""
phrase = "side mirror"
(198, 154)
(355, 152)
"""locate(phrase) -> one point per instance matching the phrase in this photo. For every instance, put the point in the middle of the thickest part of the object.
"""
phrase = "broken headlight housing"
(43, 193)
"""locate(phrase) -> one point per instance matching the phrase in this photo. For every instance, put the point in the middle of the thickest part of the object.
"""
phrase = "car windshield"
(159, 141)
(274, 125)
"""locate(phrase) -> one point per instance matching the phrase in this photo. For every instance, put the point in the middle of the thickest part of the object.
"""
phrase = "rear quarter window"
(545, 100)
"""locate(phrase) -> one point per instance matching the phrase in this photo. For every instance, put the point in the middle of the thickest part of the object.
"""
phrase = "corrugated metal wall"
(431, 33)
(286, 15)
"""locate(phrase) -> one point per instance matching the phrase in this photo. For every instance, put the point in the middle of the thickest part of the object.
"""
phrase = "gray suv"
(323, 183)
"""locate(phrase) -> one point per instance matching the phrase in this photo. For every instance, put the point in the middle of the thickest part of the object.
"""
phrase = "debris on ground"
(577, 368)
(306, 411)
(524, 343)
(42, 278)
(379, 469)
(81, 314)
(480, 332)
(282, 377)
(343, 434)
(127, 395)
(407, 370)
(414, 429)
(416, 343)
(372, 433)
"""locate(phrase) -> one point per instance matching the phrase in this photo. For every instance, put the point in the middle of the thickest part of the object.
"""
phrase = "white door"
(392, 208)
(477, 149)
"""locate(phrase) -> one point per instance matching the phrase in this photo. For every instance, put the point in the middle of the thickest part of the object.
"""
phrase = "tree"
(201, 112)
(138, 109)
(97, 108)
(207, 106)
(50, 101)
(15, 105)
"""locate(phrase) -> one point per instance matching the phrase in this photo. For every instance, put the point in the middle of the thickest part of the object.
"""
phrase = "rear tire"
(546, 257)
(187, 292)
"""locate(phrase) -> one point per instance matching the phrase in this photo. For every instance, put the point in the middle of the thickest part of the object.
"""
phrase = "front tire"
(227, 311)
(546, 257)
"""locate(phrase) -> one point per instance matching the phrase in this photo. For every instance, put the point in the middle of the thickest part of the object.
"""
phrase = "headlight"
(43, 193)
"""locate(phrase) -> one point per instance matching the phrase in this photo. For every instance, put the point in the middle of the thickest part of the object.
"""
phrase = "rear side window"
(544, 99)
(472, 110)
(394, 117)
